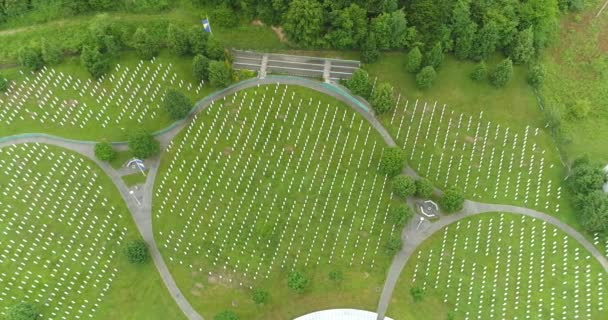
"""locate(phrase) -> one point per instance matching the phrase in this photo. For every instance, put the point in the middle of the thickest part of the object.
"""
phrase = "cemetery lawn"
(453, 276)
(64, 230)
(273, 179)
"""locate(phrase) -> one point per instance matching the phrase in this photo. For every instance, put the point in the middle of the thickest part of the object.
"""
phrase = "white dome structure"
(341, 314)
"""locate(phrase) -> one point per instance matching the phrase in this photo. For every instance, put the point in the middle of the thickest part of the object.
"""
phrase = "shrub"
(425, 78)
(226, 315)
(336, 276)
(143, 145)
(297, 281)
(434, 57)
(401, 214)
(214, 49)
(580, 109)
(95, 62)
(414, 60)
(452, 200)
(359, 83)
(369, 49)
(593, 211)
(224, 16)
(403, 186)
(260, 296)
(3, 84)
(200, 68)
(382, 98)
(392, 161)
(137, 251)
(177, 40)
(417, 293)
(176, 104)
(22, 311)
(536, 75)
(51, 54)
(424, 188)
(145, 45)
(502, 74)
(104, 151)
(197, 40)
(393, 245)
(30, 57)
(585, 176)
(220, 75)
(480, 72)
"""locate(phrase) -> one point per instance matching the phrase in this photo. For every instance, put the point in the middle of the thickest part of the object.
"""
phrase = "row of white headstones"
(279, 120)
(72, 282)
(49, 96)
(517, 274)
(493, 155)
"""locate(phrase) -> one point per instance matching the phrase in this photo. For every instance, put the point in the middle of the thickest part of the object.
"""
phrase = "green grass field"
(501, 266)
(270, 180)
(64, 227)
(134, 179)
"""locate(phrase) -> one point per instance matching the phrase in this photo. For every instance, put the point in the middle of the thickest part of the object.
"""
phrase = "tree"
(579, 109)
(426, 77)
(382, 98)
(349, 27)
(95, 62)
(51, 54)
(104, 151)
(463, 29)
(593, 211)
(369, 50)
(414, 60)
(176, 104)
(197, 40)
(424, 188)
(137, 251)
(336, 276)
(260, 296)
(226, 315)
(502, 74)
(485, 44)
(452, 200)
(401, 214)
(435, 57)
(22, 311)
(359, 83)
(177, 40)
(297, 281)
(417, 293)
(145, 45)
(392, 161)
(393, 245)
(143, 145)
(480, 72)
(585, 176)
(536, 75)
(303, 22)
(403, 186)
(30, 57)
(522, 49)
(214, 49)
(200, 68)
(220, 74)
(3, 84)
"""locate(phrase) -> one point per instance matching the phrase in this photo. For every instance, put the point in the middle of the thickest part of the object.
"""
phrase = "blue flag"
(206, 25)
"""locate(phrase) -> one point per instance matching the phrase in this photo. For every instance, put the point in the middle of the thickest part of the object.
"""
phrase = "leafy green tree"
(401, 214)
(392, 31)
(369, 50)
(585, 176)
(480, 72)
(579, 109)
(145, 45)
(393, 245)
(502, 74)
(177, 40)
(99, 5)
(303, 22)
(215, 49)
(417, 293)
(593, 211)
(463, 29)
(336, 276)
(452, 200)
(137, 251)
(426, 77)
(359, 83)
(51, 54)
(435, 56)
(220, 75)
(403, 185)
(143, 145)
(200, 68)
(96, 63)
(382, 99)
(226, 315)
(30, 57)
(392, 161)
(22, 311)
(104, 151)
(522, 49)
(297, 281)
(414, 60)
(197, 40)
(3, 84)
(260, 296)
(486, 41)
(349, 27)
(224, 16)
(424, 188)
(105, 35)
(176, 104)
(536, 75)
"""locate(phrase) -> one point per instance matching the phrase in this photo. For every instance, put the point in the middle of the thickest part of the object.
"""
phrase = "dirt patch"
(469, 139)
(213, 279)
(289, 149)
(257, 23)
(280, 33)
(227, 151)
(196, 290)
(70, 103)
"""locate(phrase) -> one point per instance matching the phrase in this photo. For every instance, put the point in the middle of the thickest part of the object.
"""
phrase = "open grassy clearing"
(267, 181)
(63, 229)
(501, 266)
(64, 101)
(135, 178)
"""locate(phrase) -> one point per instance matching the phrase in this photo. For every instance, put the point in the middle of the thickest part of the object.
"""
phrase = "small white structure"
(341, 314)
(428, 208)
(605, 187)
